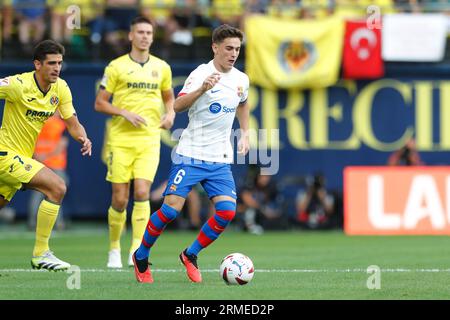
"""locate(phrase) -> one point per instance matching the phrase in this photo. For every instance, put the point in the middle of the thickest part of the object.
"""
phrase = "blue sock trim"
(225, 205)
(169, 212)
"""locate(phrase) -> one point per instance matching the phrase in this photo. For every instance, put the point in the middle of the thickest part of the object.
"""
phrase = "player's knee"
(174, 201)
(119, 203)
(58, 191)
(141, 195)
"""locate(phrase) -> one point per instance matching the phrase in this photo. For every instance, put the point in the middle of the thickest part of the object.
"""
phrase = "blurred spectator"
(407, 155)
(91, 17)
(31, 22)
(357, 9)
(253, 7)
(51, 150)
(259, 200)
(434, 6)
(287, 9)
(59, 31)
(116, 23)
(6, 20)
(256, 6)
(183, 19)
(157, 11)
(227, 12)
(315, 205)
(408, 6)
(315, 9)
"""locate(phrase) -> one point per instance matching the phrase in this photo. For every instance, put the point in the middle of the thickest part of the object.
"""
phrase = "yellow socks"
(116, 222)
(139, 220)
(46, 217)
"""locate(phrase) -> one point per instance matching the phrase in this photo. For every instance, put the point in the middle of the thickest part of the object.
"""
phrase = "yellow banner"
(292, 54)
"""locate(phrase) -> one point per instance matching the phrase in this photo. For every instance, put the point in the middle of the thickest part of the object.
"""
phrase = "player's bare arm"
(103, 105)
(243, 114)
(76, 130)
(184, 102)
(168, 119)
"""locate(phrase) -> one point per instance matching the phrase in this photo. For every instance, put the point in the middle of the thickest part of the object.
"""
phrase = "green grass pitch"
(289, 265)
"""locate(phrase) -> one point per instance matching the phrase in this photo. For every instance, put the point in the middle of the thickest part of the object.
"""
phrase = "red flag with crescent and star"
(362, 51)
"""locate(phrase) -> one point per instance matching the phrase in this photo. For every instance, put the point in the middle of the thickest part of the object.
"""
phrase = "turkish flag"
(362, 51)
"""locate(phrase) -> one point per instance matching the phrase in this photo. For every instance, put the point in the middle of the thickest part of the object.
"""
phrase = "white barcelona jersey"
(211, 117)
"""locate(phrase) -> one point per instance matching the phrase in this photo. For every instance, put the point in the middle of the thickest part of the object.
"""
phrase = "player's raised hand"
(135, 119)
(243, 145)
(167, 121)
(86, 146)
(210, 81)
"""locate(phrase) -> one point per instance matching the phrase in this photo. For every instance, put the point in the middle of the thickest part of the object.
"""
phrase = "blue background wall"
(351, 123)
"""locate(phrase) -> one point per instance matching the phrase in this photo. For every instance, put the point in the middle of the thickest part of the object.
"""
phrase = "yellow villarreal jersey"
(137, 88)
(27, 108)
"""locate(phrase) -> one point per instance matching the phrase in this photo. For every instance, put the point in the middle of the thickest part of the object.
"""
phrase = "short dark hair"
(226, 31)
(140, 19)
(46, 47)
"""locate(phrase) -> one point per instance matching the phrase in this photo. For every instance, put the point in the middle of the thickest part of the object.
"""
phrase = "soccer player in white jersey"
(214, 94)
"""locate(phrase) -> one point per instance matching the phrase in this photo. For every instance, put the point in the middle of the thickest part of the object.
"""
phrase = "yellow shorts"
(133, 162)
(15, 170)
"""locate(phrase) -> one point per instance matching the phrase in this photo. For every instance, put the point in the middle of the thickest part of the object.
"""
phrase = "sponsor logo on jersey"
(142, 85)
(54, 100)
(37, 116)
(215, 107)
(229, 110)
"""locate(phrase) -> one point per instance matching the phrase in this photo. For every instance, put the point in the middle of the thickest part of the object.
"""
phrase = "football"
(237, 269)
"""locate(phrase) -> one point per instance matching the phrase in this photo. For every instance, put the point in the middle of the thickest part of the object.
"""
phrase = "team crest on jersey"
(28, 167)
(54, 100)
(154, 74)
(4, 82)
(173, 188)
(240, 91)
(296, 56)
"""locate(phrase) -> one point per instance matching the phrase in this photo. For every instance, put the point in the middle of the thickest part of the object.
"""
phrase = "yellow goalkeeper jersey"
(27, 108)
(137, 88)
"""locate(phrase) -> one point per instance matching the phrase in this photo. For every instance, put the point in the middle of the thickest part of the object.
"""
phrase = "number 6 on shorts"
(180, 175)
